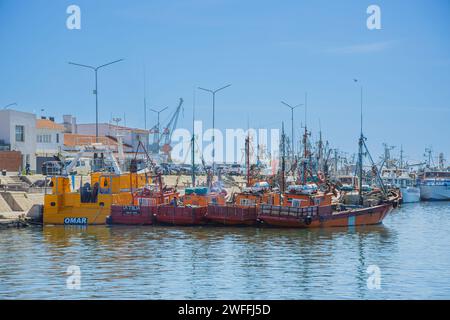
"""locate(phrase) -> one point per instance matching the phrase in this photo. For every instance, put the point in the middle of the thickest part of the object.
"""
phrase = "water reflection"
(232, 263)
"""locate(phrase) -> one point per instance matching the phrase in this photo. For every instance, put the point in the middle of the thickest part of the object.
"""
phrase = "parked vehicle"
(234, 170)
(52, 168)
(83, 165)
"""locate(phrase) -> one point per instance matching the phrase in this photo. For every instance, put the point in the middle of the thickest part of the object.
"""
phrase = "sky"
(268, 50)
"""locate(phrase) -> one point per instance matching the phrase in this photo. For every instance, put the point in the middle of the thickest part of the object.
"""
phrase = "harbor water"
(408, 256)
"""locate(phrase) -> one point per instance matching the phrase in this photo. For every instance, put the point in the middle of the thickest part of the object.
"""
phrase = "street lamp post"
(9, 105)
(96, 90)
(213, 92)
(292, 122)
(158, 112)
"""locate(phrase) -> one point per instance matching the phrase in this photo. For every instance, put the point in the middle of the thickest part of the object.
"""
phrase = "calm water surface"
(411, 248)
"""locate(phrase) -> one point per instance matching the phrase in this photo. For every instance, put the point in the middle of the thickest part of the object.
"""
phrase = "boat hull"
(232, 215)
(181, 216)
(65, 210)
(132, 215)
(410, 194)
(435, 192)
(315, 219)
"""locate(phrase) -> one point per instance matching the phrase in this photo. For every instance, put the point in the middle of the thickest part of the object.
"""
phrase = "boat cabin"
(202, 196)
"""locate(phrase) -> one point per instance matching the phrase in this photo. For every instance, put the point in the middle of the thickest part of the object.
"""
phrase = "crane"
(163, 143)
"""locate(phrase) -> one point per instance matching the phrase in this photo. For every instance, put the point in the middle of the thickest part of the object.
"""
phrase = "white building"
(18, 129)
(49, 137)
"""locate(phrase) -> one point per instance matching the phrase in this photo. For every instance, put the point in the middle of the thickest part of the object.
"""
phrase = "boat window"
(296, 203)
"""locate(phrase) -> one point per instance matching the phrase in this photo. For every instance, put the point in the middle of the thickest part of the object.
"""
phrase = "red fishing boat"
(181, 216)
(192, 208)
(304, 206)
(315, 217)
(232, 215)
(144, 204)
(244, 209)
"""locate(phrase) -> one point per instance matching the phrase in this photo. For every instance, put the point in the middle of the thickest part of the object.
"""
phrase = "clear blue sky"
(268, 50)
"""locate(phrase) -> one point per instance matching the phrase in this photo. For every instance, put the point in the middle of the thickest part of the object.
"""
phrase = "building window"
(44, 138)
(57, 138)
(20, 133)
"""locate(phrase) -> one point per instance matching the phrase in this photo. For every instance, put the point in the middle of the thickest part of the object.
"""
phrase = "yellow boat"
(63, 206)
(87, 206)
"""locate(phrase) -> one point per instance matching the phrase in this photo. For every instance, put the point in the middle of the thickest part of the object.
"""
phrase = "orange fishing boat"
(244, 209)
(192, 208)
(304, 206)
(144, 206)
(312, 217)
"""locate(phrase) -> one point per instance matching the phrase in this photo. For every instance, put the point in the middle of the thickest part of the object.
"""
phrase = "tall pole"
(292, 124)
(158, 124)
(292, 133)
(213, 92)
(96, 88)
(96, 107)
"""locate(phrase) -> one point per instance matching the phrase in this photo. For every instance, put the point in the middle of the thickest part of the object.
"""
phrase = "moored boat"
(192, 207)
(435, 185)
(243, 208)
(181, 215)
(92, 202)
(314, 217)
(404, 181)
(232, 215)
(143, 207)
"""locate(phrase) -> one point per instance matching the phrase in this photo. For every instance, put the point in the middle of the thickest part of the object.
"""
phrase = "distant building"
(74, 142)
(18, 133)
(49, 137)
(69, 123)
(130, 136)
(49, 140)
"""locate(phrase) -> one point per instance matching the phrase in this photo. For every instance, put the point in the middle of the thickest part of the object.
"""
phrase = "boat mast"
(305, 141)
(247, 157)
(401, 156)
(193, 142)
(360, 153)
(320, 151)
(283, 160)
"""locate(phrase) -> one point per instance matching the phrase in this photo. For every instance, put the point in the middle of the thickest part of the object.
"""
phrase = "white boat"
(435, 185)
(403, 180)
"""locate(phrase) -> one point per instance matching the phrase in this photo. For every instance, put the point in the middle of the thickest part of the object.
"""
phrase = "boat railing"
(281, 211)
